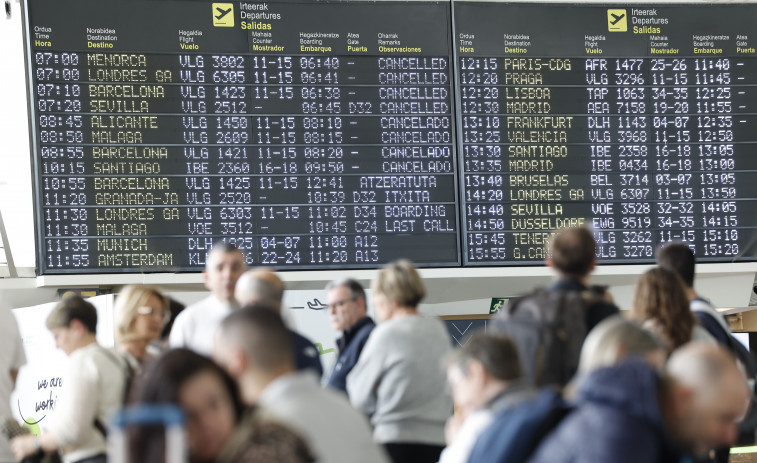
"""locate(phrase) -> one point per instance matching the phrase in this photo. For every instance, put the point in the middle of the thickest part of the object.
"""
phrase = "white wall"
(16, 202)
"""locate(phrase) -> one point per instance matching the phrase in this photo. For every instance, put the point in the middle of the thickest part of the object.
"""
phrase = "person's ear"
(477, 372)
(77, 327)
(238, 362)
(206, 280)
(683, 401)
(549, 262)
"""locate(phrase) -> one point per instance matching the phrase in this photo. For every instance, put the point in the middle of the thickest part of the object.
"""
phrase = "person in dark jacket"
(262, 287)
(627, 413)
(572, 254)
(348, 315)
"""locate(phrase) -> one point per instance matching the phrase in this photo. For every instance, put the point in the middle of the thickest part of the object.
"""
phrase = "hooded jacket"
(618, 419)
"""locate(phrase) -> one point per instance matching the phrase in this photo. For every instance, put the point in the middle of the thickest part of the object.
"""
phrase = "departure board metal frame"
(424, 196)
(578, 181)
(539, 192)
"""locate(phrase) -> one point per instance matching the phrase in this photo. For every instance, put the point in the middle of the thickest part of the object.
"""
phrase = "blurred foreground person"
(141, 313)
(515, 433)
(255, 347)
(616, 339)
(483, 375)
(628, 413)
(660, 304)
(210, 400)
(262, 287)
(92, 392)
(398, 381)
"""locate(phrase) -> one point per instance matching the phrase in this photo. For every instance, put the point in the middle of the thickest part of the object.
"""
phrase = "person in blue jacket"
(348, 315)
(628, 413)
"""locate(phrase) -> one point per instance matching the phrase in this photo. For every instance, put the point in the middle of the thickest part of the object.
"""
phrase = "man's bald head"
(703, 367)
(261, 287)
(717, 396)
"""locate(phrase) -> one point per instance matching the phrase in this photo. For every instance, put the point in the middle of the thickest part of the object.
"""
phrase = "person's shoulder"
(300, 339)
(194, 311)
(434, 325)
(87, 360)
(205, 304)
(339, 404)
(367, 325)
(8, 324)
(259, 438)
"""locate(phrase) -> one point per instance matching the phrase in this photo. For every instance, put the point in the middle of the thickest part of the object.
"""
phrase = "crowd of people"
(558, 376)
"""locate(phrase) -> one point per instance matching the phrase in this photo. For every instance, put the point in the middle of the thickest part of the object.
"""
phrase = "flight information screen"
(638, 121)
(307, 135)
(349, 134)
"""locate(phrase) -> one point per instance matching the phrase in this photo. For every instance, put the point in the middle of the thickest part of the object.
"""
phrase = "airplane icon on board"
(615, 17)
(223, 12)
(617, 20)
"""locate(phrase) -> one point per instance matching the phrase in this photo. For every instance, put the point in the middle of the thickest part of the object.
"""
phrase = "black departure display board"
(308, 135)
(637, 120)
(349, 134)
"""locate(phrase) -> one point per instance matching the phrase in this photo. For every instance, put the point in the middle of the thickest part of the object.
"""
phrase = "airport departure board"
(348, 134)
(307, 135)
(636, 120)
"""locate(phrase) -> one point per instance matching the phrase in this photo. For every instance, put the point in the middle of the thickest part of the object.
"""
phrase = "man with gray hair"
(255, 347)
(263, 288)
(347, 314)
(485, 378)
(196, 325)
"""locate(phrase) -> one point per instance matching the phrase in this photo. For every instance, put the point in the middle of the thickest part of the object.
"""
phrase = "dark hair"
(573, 251)
(261, 334)
(161, 383)
(679, 258)
(661, 297)
(73, 308)
(496, 352)
(224, 247)
(353, 286)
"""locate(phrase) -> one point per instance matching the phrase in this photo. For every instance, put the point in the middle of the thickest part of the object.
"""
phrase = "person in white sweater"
(92, 392)
(195, 327)
(398, 380)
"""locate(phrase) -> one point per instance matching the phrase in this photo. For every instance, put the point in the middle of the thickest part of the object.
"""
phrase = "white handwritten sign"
(38, 388)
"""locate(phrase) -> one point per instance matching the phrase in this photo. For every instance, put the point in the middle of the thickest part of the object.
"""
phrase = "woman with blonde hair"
(398, 381)
(660, 304)
(141, 313)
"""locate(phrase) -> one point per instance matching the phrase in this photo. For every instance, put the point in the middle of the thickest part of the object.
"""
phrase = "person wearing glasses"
(348, 315)
(141, 313)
